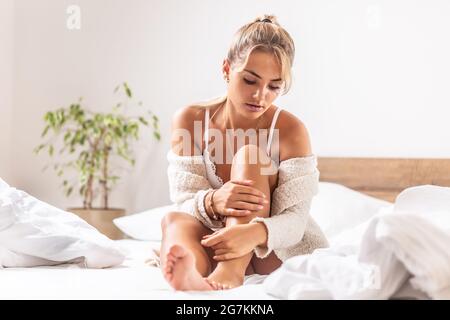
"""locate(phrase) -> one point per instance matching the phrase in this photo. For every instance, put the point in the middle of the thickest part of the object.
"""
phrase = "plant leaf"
(127, 90)
(39, 148)
(143, 121)
(44, 132)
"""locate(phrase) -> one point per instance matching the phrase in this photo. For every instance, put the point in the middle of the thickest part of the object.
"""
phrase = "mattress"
(133, 279)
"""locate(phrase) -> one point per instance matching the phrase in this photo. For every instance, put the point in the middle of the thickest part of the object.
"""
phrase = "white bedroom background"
(6, 93)
(371, 78)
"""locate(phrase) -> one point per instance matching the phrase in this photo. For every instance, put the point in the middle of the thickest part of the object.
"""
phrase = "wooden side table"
(102, 220)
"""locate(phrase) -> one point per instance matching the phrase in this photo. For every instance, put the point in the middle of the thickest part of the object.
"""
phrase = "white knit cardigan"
(291, 229)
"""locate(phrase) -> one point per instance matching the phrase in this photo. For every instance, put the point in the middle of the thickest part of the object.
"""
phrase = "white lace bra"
(216, 181)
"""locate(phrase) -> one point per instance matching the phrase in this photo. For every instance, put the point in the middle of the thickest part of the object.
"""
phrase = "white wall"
(6, 80)
(371, 77)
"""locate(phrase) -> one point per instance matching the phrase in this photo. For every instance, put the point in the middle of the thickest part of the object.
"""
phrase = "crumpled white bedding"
(404, 244)
(34, 233)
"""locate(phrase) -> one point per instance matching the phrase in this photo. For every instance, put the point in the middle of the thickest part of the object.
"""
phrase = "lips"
(253, 107)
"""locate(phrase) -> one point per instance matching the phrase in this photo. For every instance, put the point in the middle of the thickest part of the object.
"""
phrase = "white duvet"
(408, 242)
(34, 233)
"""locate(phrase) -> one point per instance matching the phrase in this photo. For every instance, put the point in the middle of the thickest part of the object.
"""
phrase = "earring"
(226, 78)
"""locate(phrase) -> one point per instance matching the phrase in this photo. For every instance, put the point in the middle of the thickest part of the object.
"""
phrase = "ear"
(226, 67)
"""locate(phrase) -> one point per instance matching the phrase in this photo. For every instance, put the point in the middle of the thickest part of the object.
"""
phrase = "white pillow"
(145, 225)
(35, 233)
(423, 198)
(337, 208)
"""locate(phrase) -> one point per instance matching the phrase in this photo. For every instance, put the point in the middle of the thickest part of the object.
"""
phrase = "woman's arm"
(188, 184)
(260, 232)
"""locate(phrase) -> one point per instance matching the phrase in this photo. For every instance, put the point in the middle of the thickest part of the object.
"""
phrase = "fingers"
(212, 240)
(247, 206)
(219, 246)
(206, 236)
(243, 182)
(246, 186)
(223, 257)
(236, 212)
(250, 198)
(219, 252)
(250, 190)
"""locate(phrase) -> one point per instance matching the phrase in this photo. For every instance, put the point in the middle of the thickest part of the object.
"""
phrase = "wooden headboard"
(384, 178)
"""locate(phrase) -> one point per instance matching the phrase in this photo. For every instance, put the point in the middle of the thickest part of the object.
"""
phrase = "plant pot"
(102, 220)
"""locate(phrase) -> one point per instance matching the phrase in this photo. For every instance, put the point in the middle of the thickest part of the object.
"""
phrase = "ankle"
(228, 271)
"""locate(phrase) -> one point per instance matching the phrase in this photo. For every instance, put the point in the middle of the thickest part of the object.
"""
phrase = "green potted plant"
(90, 140)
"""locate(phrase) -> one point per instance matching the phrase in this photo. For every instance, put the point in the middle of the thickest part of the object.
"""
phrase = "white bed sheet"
(133, 279)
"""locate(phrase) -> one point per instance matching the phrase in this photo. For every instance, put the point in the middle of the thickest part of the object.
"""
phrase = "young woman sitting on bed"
(245, 208)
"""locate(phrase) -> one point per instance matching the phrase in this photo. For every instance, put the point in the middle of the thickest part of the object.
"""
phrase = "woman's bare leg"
(184, 261)
(245, 166)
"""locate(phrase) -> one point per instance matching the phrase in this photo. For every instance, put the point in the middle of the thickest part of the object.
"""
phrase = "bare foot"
(221, 279)
(179, 270)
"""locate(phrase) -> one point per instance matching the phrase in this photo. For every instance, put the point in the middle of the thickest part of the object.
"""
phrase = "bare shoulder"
(294, 137)
(185, 141)
(184, 117)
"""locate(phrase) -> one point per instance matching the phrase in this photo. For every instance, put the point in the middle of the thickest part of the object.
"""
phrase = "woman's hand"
(235, 241)
(238, 198)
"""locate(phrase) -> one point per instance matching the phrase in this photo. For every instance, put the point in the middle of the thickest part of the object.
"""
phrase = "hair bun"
(267, 18)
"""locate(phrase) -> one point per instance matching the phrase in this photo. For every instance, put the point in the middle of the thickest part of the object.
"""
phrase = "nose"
(260, 95)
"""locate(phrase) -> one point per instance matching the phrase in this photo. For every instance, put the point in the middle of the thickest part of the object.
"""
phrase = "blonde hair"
(263, 33)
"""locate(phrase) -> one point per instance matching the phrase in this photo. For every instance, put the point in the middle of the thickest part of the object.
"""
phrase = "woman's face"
(253, 90)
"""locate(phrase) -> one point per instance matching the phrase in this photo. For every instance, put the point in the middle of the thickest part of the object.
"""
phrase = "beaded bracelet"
(215, 216)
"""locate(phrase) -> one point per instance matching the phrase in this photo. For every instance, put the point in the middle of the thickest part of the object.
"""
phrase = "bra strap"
(272, 127)
(206, 135)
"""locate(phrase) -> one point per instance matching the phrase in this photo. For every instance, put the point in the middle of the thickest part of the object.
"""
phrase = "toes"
(168, 275)
(168, 272)
(177, 251)
(223, 286)
(168, 269)
(171, 257)
(170, 263)
(213, 284)
(218, 285)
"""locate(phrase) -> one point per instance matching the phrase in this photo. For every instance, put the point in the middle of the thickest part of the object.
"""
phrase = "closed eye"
(249, 82)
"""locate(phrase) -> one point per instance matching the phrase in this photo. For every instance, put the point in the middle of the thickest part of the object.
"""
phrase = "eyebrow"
(258, 76)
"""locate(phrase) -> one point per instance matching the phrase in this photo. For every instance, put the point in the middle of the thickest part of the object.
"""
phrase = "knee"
(251, 154)
(252, 160)
(172, 218)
